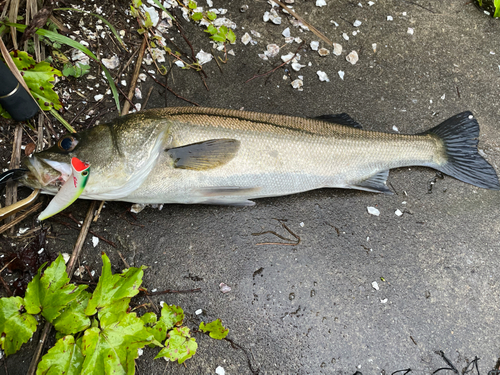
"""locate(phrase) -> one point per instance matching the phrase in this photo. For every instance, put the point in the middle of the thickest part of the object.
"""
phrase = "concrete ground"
(313, 308)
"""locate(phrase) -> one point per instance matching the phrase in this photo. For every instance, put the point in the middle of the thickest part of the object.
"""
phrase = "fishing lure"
(70, 191)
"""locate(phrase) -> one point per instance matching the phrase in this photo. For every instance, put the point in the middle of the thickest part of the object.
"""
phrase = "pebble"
(95, 241)
(375, 285)
(337, 49)
(322, 76)
(352, 57)
(314, 45)
(373, 211)
(341, 74)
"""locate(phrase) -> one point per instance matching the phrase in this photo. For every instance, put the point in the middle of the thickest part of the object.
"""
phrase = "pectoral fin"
(204, 155)
(375, 183)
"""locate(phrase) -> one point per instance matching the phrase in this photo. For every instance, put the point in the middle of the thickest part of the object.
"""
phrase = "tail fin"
(459, 134)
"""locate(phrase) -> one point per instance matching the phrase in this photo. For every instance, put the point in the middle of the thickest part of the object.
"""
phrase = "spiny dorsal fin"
(341, 119)
(204, 155)
(375, 183)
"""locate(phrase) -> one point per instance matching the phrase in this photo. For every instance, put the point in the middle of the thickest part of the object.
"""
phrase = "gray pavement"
(312, 308)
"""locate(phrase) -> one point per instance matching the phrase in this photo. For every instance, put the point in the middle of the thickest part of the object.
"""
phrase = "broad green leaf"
(65, 357)
(192, 4)
(39, 78)
(211, 16)
(51, 293)
(113, 292)
(171, 316)
(179, 346)
(223, 30)
(73, 319)
(230, 36)
(197, 16)
(211, 29)
(16, 328)
(218, 38)
(215, 329)
(113, 348)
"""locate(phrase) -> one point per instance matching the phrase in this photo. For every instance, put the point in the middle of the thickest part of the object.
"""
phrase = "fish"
(193, 155)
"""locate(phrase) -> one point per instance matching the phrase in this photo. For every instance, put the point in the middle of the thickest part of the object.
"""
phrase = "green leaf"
(76, 71)
(171, 316)
(218, 38)
(230, 36)
(38, 77)
(4, 113)
(211, 16)
(114, 348)
(65, 357)
(51, 293)
(147, 22)
(223, 30)
(211, 29)
(496, 4)
(197, 16)
(192, 4)
(73, 319)
(16, 328)
(179, 346)
(215, 329)
(113, 292)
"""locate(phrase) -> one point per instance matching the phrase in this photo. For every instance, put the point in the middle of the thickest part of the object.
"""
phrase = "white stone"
(112, 62)
(198, 312)
(95, 241)
(341, 74)
(286, 32)
(204, 57)
(357, 23)
(389, 18)
(320, 3)
(314, 45)
(398, 212)
(337, 49)
(220, 370)
(373, 211)
(352, 57)
(375, 285)
(322, 76)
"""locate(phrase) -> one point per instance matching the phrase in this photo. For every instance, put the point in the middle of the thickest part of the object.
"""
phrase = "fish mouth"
(45, 174)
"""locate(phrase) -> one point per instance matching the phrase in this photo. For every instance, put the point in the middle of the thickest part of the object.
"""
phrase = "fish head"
(121, 154)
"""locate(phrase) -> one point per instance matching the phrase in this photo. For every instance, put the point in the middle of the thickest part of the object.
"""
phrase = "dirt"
(311, 308)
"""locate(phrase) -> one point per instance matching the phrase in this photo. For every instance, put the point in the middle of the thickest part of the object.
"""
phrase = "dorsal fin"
(341, 119)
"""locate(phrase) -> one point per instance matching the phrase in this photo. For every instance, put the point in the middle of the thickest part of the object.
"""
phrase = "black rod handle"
(14, 98)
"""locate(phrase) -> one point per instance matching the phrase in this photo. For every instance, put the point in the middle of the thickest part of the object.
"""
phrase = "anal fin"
(375, 183)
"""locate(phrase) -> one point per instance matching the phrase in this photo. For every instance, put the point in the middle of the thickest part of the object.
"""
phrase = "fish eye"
(67, 143)
(85, 173)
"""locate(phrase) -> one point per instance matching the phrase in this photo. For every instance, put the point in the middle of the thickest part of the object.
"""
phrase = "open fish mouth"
(45, 173)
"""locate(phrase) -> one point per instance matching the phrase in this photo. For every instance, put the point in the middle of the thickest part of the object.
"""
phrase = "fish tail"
(460, 136)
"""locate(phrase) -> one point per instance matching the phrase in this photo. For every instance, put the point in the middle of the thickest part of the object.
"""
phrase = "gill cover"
(70, 191)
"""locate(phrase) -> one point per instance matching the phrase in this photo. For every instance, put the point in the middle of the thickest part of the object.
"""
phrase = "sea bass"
(218, 156)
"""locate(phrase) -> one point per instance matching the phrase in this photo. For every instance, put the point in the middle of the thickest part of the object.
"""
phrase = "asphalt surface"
(313, 308)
